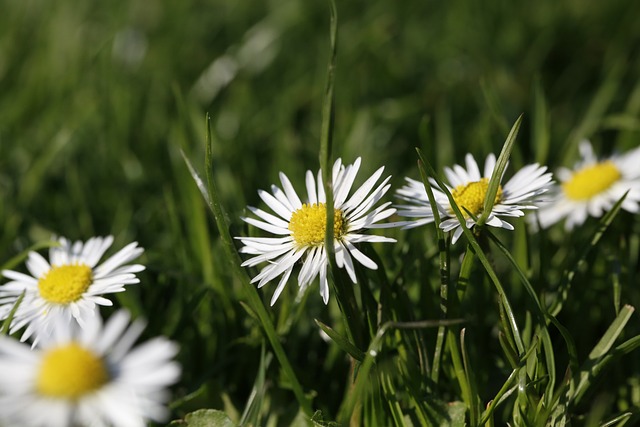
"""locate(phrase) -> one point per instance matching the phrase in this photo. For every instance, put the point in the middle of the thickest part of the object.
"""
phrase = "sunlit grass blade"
(621, 420)
(344, 293)
(7, 322)
(341, 341)
(251, 414)
(591, 367)
(505, 391)
(479, 253)
(569, 275)
(326, 131)
(444, 274)
(541, 315)
(18, 259)
(474, 409)
(373, 350)
(498, 171)
(233, 257)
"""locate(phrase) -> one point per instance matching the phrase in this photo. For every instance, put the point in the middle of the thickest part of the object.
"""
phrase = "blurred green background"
(98, 98)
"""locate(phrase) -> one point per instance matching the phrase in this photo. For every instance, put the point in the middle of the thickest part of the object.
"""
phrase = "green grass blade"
(342, 342)
(326, 133)
(7, 322)
(479, 253)
(569, 275)
(498, 171)
(594, 363)
(249, 291)
(251, 413)
(18, 259)
(444, 273)
(474, 409)
(541, 315)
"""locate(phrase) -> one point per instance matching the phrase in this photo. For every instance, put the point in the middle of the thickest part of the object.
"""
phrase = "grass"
(98, 101)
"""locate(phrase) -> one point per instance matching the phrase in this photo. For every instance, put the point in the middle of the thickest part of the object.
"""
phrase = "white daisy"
(468, 188)
(87, 376)
(301, 227)
(593, 187)
(69, 285)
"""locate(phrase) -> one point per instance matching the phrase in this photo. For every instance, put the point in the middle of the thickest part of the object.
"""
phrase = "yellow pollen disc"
(591, 181)
(308, 224)
(471, 196)
(65, 283)
(70, 372)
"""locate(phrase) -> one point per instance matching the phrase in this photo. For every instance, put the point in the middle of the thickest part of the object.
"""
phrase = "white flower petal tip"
(299, 227)
(469, 186)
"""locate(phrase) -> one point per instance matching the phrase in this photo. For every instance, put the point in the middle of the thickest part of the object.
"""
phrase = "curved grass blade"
(7, 322)
(16, 260)
(251, 413)
(565, 285)
(479, 253)
(592, 366)
(342, 342)
(498, 171)
(444, 273)
(326, 132)
(248, 290)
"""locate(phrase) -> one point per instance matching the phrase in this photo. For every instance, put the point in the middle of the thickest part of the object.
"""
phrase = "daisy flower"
(593, 187)
(87, 376)
(469, 188)
(300, 228)
(68, 286)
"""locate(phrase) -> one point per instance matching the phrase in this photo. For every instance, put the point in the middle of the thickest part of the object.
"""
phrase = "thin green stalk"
(248, 290)
(498, 171)
(7, 322)
(478, 252)
(343, 289)
(444, 274)
(569, 275)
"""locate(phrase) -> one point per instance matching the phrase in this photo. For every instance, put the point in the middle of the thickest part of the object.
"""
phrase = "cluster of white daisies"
(591, 188)
(70, 368)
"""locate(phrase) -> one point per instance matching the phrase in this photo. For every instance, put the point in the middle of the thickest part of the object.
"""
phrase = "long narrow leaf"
(479, 253)
(249, 291)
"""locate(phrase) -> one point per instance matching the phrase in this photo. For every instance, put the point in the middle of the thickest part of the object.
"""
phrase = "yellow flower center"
(65, 283)
(70, 372)
(471, 196)
(308, 224)
(592, 180)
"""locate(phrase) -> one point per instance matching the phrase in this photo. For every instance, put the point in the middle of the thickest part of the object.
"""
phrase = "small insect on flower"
(592, 187)
(469, 188)
(68, 286)
(301, 227)
(87, 376)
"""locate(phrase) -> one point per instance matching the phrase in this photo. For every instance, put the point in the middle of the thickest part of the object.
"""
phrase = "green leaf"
(479, 253)
(498, 171)
(251, 414)
(593, 364)
(13, 262)
(569, 275)
(7, 322)
(249, 291)
(342, 342)
(204, 418)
